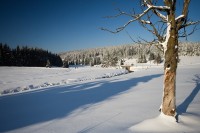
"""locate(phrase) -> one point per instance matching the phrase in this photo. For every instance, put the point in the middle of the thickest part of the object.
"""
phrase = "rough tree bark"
(170, 64)
(167, 41)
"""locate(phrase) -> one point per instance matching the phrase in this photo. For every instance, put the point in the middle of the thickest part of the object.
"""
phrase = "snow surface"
(96, 100)
(17, 79)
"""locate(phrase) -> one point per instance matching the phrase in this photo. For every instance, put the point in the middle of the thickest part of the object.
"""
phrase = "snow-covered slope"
(120, 104)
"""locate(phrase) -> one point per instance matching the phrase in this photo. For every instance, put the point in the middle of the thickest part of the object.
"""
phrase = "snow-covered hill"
(97, 100)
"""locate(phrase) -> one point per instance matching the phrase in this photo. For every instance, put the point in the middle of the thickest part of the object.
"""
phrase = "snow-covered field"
(19, 79)
(97, 100)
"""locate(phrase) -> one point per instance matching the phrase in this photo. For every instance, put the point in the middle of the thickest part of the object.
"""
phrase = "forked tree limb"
(136, 17)
(148, 3)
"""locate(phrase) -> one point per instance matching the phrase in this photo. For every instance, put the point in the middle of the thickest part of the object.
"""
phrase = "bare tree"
(167, 29)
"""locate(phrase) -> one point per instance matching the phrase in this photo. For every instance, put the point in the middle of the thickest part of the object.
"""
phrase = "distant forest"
(106, 56)
(24, 56)
(110, 56)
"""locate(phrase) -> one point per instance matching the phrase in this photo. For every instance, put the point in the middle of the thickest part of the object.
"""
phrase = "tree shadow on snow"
(21, 110)
(182, 108)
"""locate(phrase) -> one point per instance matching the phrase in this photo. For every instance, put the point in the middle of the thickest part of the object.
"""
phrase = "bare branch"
(156, 12)
(159, 31)
(148, 43)
(170, 3)
(146, 22)
(159, 47)
(136, 17)
(185, 7)
(131, 37)
(152, 43)
(183, 18)
(154, 30)
(185, 34)
(162, 29)
(160, 8)
(120, 28)
(130, 21)
(120, 14)
(180, 18)
(189, 24)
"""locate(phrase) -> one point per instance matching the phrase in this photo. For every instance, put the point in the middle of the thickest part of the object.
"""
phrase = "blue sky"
(62, 25)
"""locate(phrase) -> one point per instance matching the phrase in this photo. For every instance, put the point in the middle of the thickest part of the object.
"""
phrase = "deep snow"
(125, 103)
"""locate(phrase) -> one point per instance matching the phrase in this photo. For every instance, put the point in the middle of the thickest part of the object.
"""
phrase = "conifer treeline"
(24, 56)
(107, 55)
(110, 55)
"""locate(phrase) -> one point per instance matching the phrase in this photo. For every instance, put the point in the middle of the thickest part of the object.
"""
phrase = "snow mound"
(165, 124)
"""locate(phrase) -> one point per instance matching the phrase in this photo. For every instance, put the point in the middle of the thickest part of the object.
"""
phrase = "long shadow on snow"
(182, 108)
(21, 110)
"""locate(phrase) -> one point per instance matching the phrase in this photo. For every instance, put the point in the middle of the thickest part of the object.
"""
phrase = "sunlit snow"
(97, 100)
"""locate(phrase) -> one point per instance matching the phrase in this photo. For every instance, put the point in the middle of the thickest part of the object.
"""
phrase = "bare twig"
(121, 13)
(189, 24)
(185, 34)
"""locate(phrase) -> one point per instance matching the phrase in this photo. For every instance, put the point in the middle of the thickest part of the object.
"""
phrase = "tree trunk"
(169, 101)
(170, 66)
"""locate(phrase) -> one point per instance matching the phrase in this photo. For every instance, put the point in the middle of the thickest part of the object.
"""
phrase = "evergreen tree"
(25, 56)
